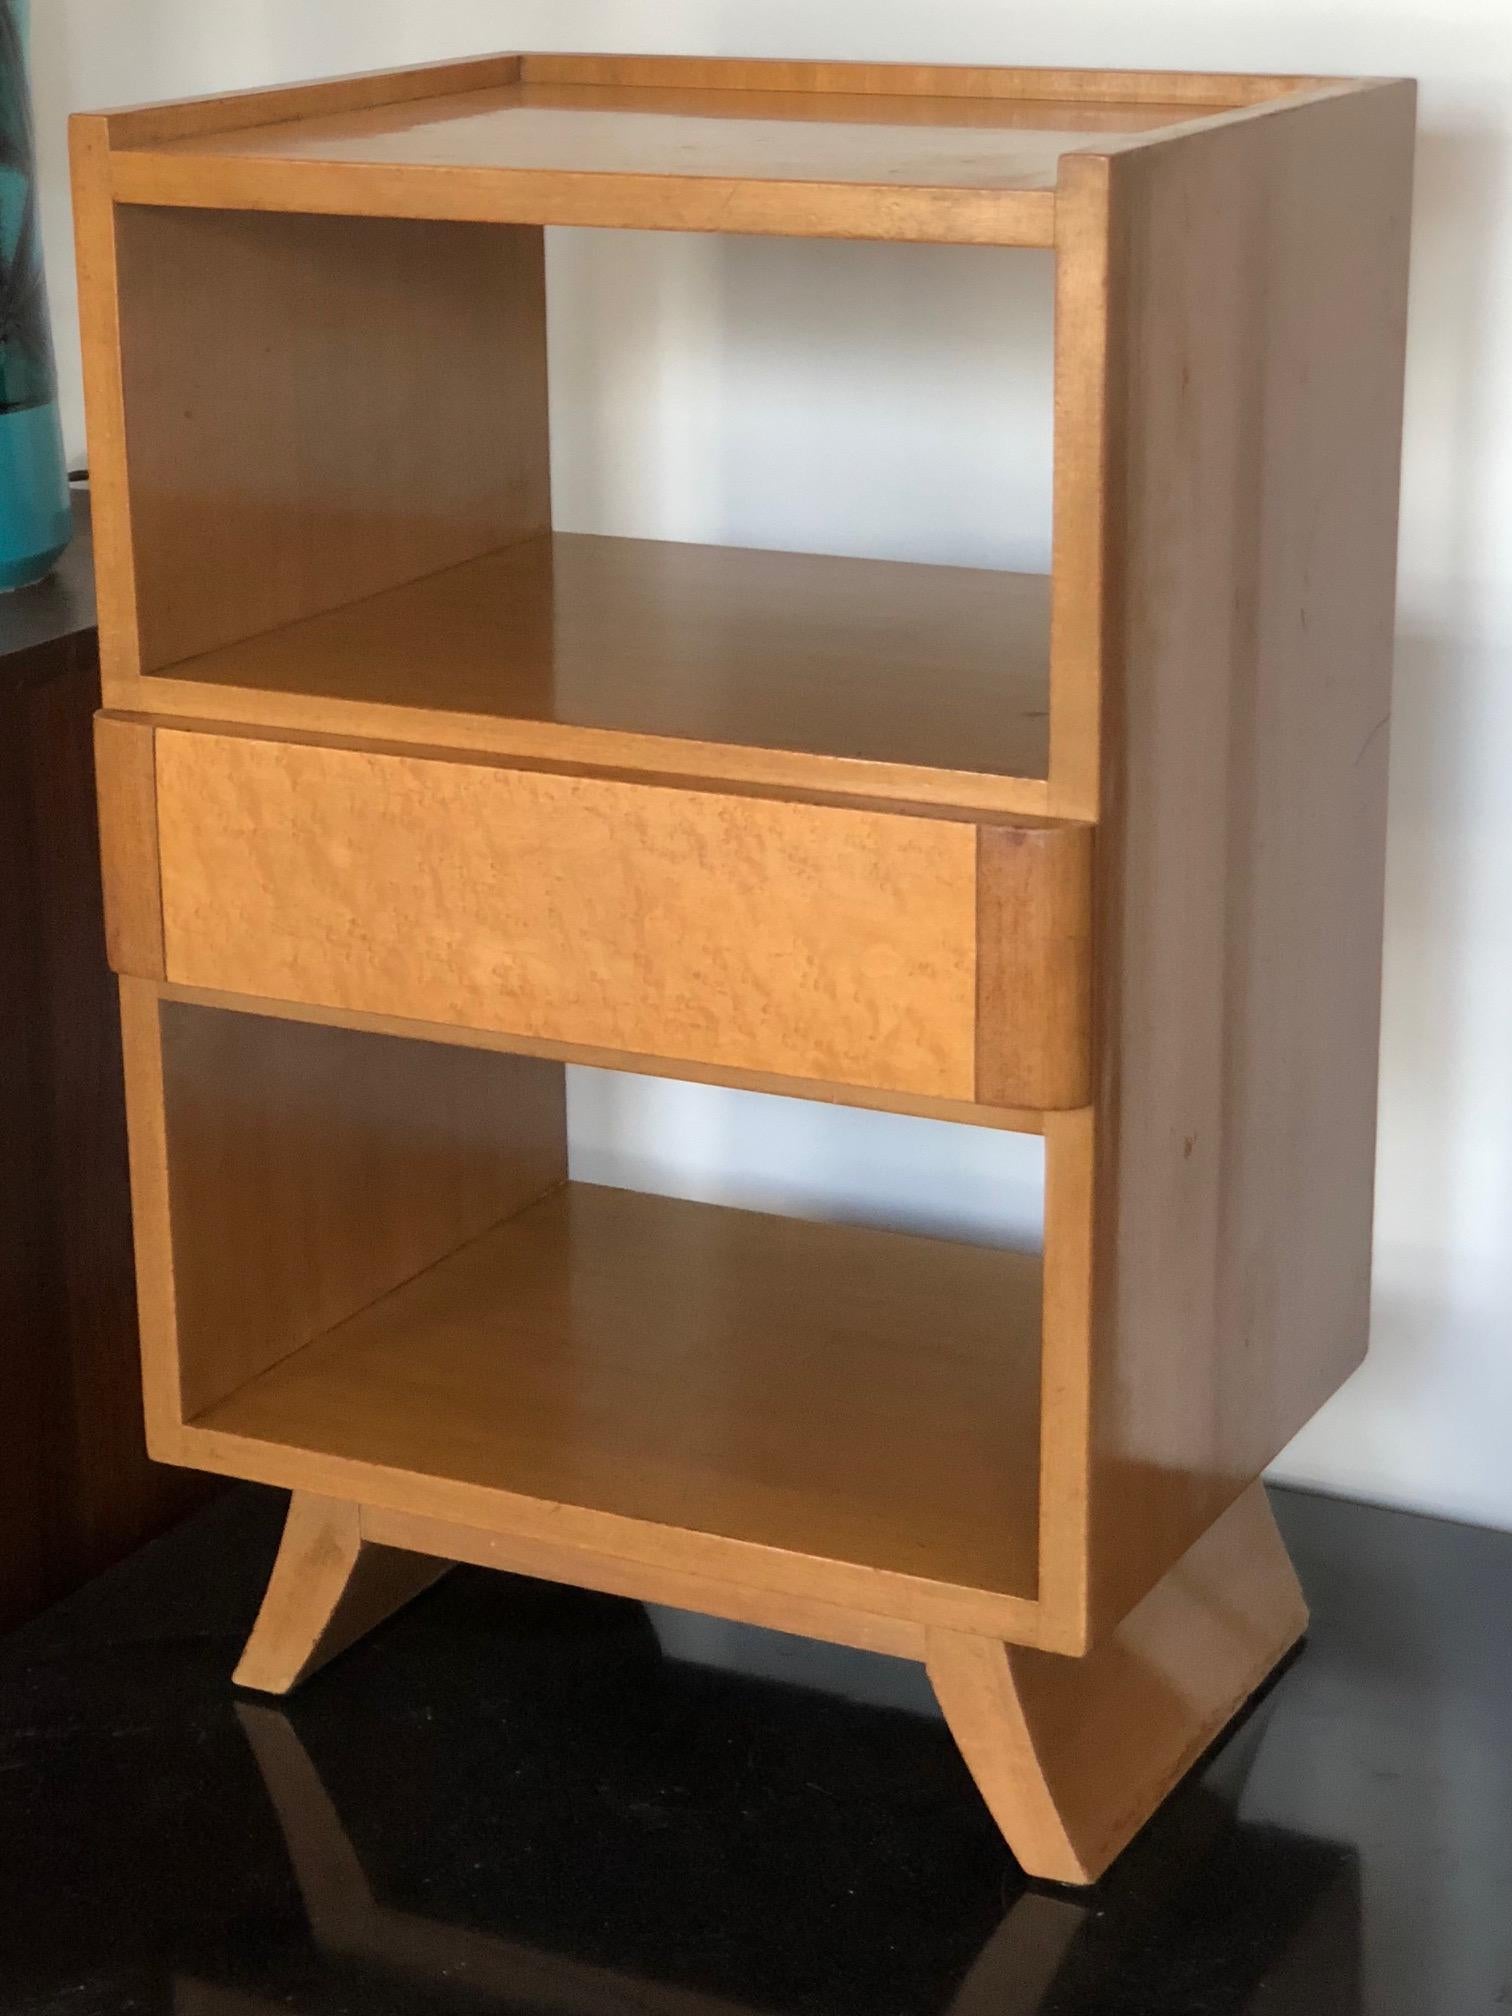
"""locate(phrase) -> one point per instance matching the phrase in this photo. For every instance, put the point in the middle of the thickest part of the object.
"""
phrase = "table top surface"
(766, 136)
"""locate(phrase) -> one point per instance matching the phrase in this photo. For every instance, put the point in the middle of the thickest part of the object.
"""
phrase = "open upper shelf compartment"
(743, 1395)
(607, 1364)
(324, 462)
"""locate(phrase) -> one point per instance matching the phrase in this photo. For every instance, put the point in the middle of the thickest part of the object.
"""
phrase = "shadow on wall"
(806, 1158)
(884, 400)
(898, 397)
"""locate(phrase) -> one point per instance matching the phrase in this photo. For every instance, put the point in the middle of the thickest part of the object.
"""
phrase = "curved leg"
(1073, 1755)
(328, 1587)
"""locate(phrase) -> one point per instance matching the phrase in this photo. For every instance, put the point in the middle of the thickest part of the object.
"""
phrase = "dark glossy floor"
(520, 1798)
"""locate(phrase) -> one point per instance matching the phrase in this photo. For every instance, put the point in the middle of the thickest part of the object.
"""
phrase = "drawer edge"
(130, 868)
(1034, 966)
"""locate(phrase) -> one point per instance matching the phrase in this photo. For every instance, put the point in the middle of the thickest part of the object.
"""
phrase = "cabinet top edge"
(948, 154)
(187, 119)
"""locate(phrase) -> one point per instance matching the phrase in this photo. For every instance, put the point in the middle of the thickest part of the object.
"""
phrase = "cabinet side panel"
(152, 1233)
(309, 1171)
(316, 409)
(1257, 310)
(100, 345)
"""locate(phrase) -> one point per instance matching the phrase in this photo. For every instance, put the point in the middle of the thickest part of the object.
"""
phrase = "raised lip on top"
(154, 158)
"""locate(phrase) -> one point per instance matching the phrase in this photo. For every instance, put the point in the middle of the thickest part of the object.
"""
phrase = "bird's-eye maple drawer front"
(882, 949)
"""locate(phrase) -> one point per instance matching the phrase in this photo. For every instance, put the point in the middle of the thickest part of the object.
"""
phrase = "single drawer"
(930, 955)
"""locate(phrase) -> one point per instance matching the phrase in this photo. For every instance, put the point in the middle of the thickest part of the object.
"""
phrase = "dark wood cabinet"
(76, 1487)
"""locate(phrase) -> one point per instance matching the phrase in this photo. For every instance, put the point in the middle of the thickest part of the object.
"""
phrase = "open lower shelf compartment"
(607, 1363)
(385, 1290)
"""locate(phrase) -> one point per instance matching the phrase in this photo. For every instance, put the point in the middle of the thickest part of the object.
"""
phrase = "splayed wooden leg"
(1073, 1755)
(329, 1586)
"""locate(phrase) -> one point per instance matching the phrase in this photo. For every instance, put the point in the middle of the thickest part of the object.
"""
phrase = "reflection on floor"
(1037, 1946)
(518, 1797)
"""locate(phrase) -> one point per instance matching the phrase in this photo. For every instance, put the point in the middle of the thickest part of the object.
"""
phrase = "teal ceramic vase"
(35, 520)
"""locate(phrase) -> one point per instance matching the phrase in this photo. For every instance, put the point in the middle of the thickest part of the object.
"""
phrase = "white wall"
(880, 400)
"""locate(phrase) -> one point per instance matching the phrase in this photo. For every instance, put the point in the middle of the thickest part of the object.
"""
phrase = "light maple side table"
(406, 800)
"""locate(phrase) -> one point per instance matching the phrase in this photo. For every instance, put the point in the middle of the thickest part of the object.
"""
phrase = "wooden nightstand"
(406, 799)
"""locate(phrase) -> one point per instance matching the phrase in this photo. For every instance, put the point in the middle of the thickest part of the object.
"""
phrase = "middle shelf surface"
(826, 1391)
(777, 668)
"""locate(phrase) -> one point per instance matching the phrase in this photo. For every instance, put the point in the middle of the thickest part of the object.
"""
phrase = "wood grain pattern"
(100, 340)
(1256, 312)
(1066, 1374)
(304, 1171)
(900, 139)
(815, 941)
(1094, 90)
(1074, 1755)
(1081, 539)
(392, 171)
(558, 1560)
(403, 430)
(780, 668)
(152, 1225)
(219, 112)
(854, 150)
(126, 798)
(1034, 965)
(686, 1386)
(330, 1585)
